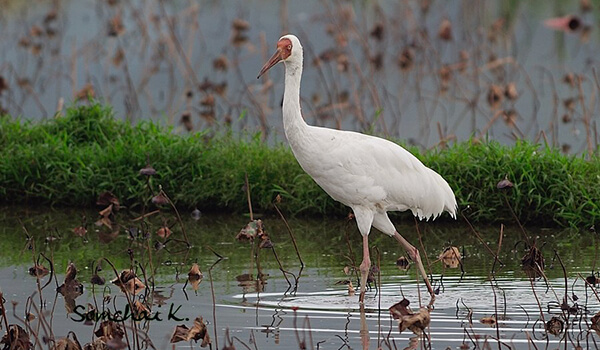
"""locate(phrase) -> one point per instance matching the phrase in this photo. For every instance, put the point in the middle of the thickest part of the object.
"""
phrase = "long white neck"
(293, 123)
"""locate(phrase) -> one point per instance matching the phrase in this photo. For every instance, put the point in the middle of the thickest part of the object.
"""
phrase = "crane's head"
(288, 50)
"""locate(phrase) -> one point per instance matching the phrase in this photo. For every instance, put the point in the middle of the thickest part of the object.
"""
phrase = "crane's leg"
(416, 257)
(365, 267)
(364, 220)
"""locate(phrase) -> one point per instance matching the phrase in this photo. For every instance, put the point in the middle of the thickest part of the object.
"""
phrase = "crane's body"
(364, 171)
(369, 174)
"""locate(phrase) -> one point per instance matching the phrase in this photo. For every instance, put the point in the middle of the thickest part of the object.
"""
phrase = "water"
(161, 65)
(316, 310)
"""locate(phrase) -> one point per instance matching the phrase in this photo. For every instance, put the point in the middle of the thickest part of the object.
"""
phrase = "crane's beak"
(271, 62)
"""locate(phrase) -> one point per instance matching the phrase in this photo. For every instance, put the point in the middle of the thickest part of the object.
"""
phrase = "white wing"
(358, 169)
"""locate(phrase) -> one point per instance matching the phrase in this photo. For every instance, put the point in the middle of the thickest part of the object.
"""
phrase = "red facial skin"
(284, 50)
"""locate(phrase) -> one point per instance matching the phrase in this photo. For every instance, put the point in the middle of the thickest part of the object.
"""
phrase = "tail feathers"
(441, 199)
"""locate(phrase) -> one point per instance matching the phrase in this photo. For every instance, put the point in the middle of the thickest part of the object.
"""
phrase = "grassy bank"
(70, 160)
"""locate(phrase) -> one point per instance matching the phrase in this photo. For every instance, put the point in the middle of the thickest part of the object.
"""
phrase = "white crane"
(369, 174)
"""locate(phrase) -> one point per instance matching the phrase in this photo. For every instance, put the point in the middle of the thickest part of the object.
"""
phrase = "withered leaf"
(415, 322)
(451, 257)
(160, 199)
(494, 96)
(66, 344)
(195, 271)
(97, 279)
(197, 332)
(164, 232)
(109, 330)
(80, 231)
(250, 231)
(239, 24)
(116, 26)
(107, 198)
(140, 310)
(491, 320)
(148, 170)
(129, 282)
(400, 309)
(504, 184)
(533, 262)
(71, 273)
(16, 338)
(180, 334)
(106, 212)
(87, 91)
(510, 91)
(38, 270)
(195, 276)
(402, 263)
(595, 321)
(265, 242)
(348, 283)
(97, 344)
(445, 30)
(71, 288)
(116, 344)
(555, 326)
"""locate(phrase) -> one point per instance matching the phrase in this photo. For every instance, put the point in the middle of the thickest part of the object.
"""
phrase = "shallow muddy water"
(316, 311)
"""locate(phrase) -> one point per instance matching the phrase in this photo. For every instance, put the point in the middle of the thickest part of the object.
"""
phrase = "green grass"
(70, 160)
